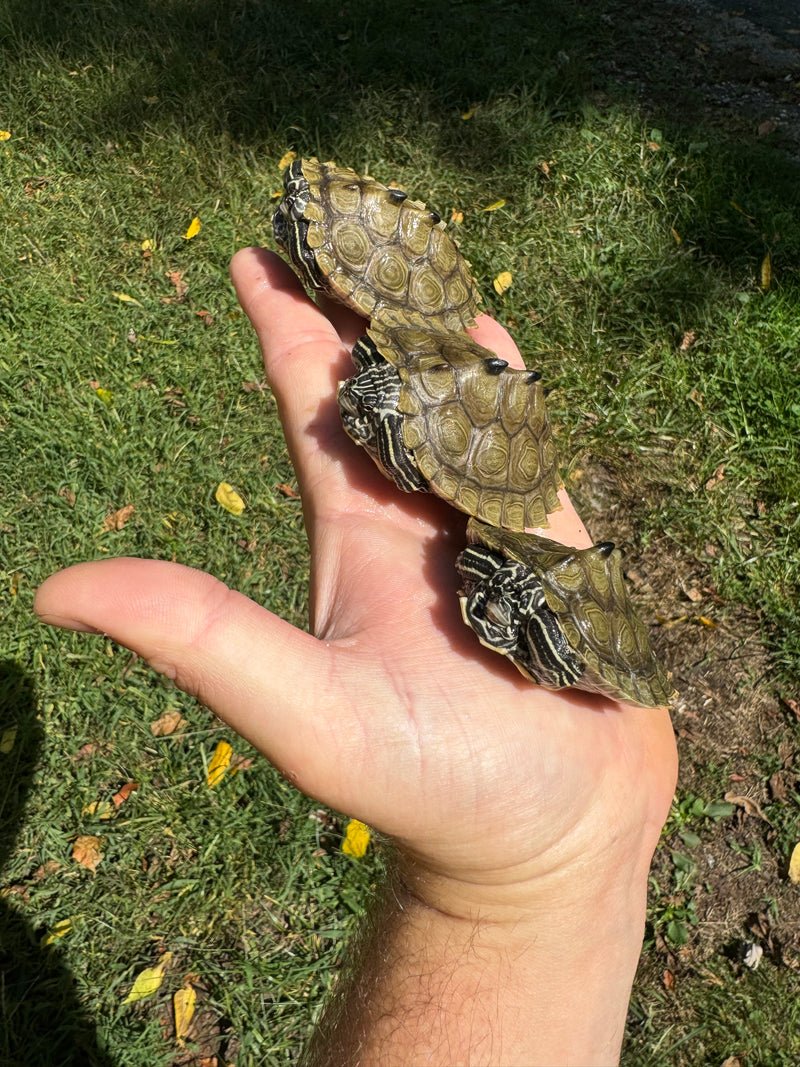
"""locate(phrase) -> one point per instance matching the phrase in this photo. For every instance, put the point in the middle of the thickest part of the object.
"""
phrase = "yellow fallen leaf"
(495, 205)
(183, 1006)
(59, 930)
(148, 244)
(4, 135)
(794, 864)
(502, 282)
(8, 739)
(169, 722)
(105, 395)
(86, 852)
(194, 229)
(457, 217)
(468, 114)
(286, 159)
(148, 981)
(227, 496)
(126, 299)
(219, 764)
(356, 839)
(98, 809)
(766, 272)
(676, 235)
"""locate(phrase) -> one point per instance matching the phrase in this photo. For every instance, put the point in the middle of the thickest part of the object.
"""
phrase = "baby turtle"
(372, 249)
(562, 615)
(438, 412)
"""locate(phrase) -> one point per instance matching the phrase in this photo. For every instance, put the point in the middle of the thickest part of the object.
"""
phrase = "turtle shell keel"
(562, 615)
(372, 249)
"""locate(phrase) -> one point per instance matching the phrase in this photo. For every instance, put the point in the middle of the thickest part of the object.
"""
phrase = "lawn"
(656, 285)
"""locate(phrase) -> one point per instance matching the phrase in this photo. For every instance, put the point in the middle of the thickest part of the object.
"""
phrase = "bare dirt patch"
(735, 739)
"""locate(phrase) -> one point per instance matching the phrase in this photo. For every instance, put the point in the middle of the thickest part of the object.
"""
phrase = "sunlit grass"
(636, 256)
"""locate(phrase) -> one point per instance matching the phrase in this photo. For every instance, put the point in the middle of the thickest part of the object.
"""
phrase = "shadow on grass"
(41, 1020)
(332, 79)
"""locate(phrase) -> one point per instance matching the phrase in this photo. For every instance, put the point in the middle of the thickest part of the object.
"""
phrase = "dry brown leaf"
(85, 752)
(117, 519)
(175, 278)
(287, 491)
(716, 477)
(169, 722)
(792, 705)
(119, 798)
(750, 806)
(86, 852)
(206, 316)
(253, 387)
(688, 340)
(66, 493)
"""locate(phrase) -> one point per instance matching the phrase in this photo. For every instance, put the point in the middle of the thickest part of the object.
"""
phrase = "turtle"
(562, 615)
(438, 412)
(372, 248)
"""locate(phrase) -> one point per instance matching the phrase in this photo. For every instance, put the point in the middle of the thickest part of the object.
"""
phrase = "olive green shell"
(477, 428)
(585, 588)
(386, 257)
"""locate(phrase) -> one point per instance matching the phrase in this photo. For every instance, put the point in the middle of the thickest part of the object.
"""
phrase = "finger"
(274, 684)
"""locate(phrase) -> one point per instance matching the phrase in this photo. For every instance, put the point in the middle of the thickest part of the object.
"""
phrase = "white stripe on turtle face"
(368, 406)
(506, 607)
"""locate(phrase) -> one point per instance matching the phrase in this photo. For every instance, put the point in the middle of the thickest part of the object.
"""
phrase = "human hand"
(497, 792)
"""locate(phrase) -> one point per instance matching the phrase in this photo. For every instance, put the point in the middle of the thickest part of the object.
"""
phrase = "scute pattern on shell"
(478, 429)
(379, 253)
(438, 412)
(586, 591)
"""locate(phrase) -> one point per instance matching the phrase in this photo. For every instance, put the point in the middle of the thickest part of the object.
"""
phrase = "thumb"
(268, 680)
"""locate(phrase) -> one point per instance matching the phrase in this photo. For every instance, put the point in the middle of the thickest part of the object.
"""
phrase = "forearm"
(551, 988)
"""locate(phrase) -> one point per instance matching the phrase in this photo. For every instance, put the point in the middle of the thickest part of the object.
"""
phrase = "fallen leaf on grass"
(220, 762)
(794, 864)
(117, 519)
(495, 204)
(126, 299)
(169, 722)
(175, 278)
(456, 217)
(766, 272)
(228, 498)
(503, 282)
(240, 763)
(60, 929)
(7, 740)
(356, 839)
(750, 806)
(120, 797)
(716, 477)
(5, 135)
(104, 394)
(287, 490)
(98, 809)
(148, 981)
(183, 1005)
(86, 852)
(206, 316)
(194, 229)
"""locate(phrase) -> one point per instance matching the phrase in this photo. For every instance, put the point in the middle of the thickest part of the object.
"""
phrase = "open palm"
(392, 711)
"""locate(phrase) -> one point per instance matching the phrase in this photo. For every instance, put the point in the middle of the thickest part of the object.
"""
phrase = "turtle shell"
(476, 428)
(562, 615)
(372, 249)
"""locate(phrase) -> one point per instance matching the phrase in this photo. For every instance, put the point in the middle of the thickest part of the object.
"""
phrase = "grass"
(636, 253)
